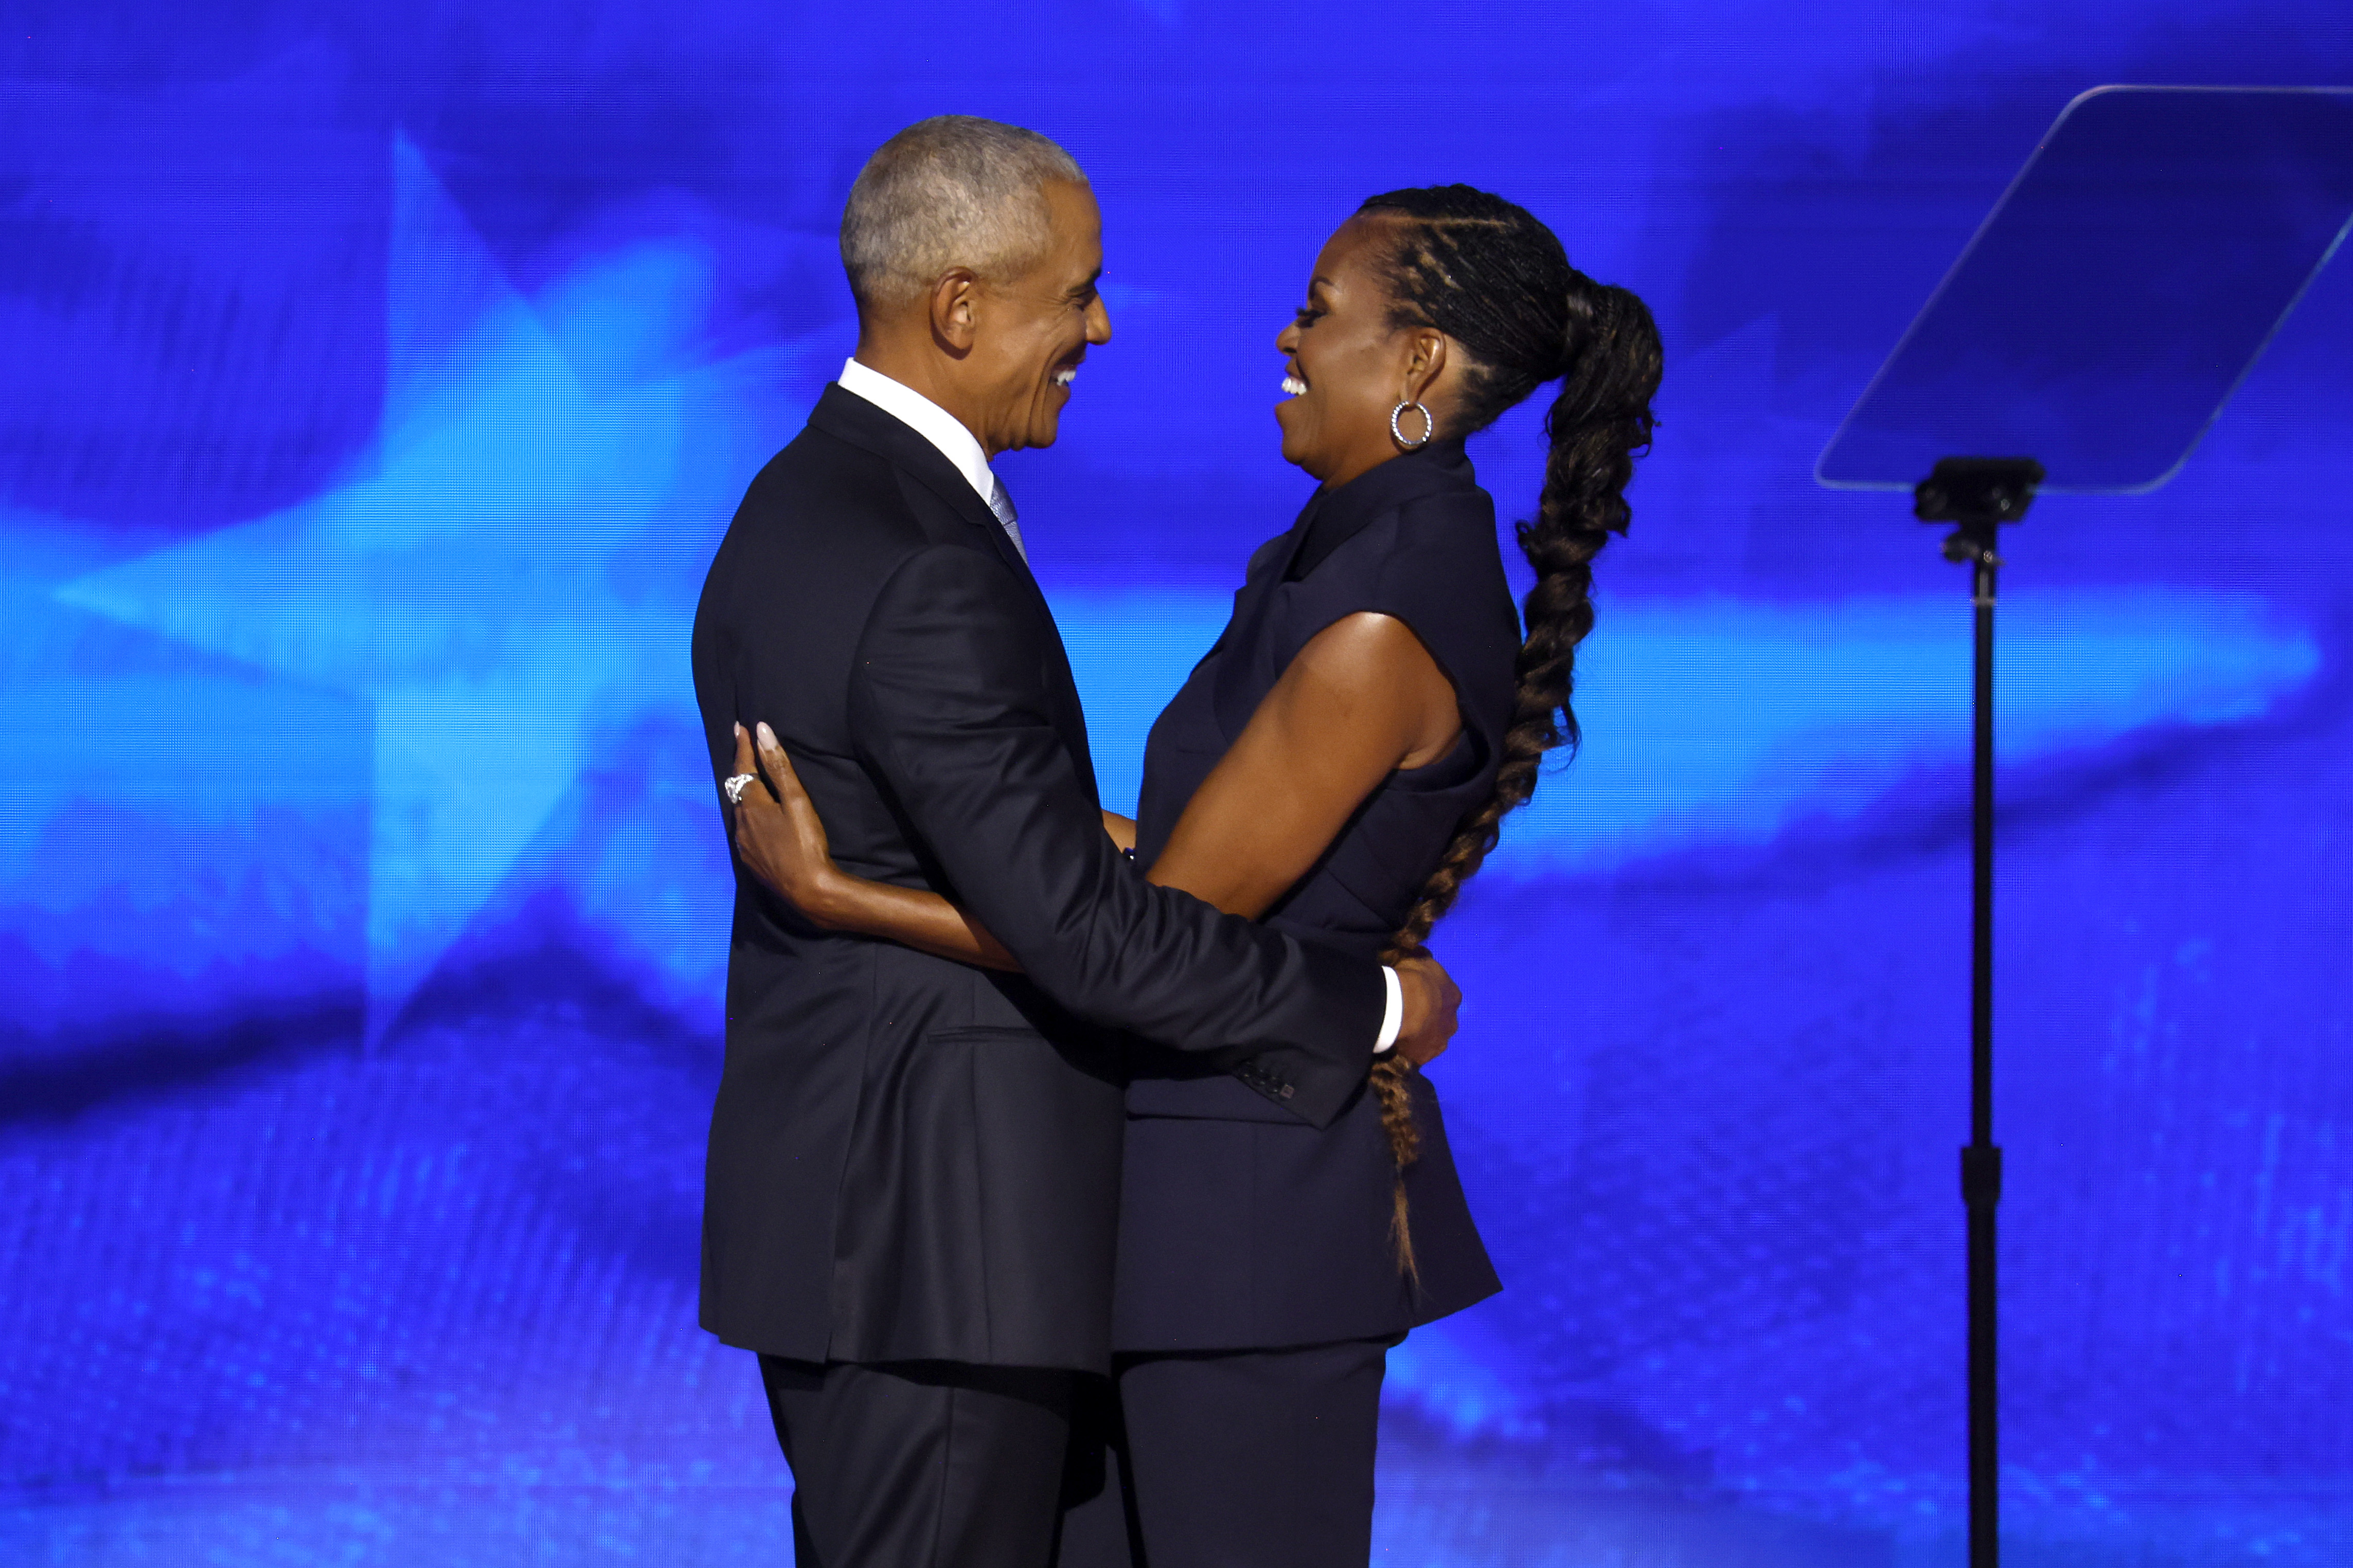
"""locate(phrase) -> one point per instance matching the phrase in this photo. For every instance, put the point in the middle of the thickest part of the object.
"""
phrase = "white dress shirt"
(961, 448)
(925, 418)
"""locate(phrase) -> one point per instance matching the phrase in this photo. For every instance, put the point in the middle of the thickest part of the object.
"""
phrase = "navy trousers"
(922, 1464)
(1236, 1459)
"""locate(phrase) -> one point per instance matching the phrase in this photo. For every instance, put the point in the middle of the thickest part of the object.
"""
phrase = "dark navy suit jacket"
(1244, 1226)
(910, 1158)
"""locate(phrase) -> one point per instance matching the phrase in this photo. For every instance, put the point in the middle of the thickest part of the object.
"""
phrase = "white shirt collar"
(925, 418)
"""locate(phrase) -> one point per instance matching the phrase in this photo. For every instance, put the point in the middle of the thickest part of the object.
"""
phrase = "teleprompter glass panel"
(2120, 289)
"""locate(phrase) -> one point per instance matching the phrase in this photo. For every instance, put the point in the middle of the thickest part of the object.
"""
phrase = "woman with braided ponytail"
(1340, 763)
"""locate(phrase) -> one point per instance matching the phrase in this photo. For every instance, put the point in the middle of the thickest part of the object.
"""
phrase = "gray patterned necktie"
(1002, 505)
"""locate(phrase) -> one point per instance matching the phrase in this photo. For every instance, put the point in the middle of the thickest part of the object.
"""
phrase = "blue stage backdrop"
(374, 382)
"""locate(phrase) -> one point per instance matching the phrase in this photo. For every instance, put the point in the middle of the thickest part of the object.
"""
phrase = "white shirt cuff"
(1392, 1020)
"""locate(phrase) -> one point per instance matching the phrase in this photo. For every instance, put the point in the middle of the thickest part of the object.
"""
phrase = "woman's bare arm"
(1362, 700)
(781, 840)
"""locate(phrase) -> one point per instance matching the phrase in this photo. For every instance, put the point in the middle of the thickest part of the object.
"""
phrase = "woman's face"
(1347, 367)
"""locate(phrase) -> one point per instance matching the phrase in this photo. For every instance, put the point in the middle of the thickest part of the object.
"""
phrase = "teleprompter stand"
(2099, 320)
(1980, 494)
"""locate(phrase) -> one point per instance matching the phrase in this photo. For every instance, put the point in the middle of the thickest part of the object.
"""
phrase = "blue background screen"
(375, 384)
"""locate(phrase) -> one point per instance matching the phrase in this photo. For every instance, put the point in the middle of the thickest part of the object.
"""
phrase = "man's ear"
(953, 303)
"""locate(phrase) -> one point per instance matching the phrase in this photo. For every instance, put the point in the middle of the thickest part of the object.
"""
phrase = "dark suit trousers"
(1237, 1459)
(922, 1464)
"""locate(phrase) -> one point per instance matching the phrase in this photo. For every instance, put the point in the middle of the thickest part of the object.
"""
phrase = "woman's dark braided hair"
(1488, 275)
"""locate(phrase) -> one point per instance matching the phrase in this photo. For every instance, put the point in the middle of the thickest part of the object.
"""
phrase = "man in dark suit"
(913, 1168)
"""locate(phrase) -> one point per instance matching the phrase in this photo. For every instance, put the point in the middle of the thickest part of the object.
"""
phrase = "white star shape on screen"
(513, 572)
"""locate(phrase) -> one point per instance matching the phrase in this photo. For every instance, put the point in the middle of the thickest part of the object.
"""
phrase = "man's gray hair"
(951, 191)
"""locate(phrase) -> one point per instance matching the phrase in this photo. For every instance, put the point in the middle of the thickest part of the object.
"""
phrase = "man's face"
(1031, 332)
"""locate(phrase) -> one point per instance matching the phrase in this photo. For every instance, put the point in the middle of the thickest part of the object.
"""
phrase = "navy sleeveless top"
(1242, 1225)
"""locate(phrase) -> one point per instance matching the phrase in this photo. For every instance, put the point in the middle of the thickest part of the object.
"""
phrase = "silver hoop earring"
(1428, 426)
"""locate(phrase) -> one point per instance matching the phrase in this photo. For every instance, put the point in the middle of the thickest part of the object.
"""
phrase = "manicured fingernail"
(767, 736)
(739, 729)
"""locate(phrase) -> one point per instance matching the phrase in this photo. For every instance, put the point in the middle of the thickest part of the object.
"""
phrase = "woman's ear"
(953, 300)
(1425, 363)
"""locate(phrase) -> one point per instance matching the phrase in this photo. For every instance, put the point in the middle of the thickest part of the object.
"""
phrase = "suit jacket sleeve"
(948, 706)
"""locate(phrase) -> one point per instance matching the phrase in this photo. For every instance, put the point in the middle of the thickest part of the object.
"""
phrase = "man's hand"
(1431, 1000)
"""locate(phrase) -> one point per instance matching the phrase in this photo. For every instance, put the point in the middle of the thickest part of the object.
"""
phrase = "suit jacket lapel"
(861, 422)
(855, 420)
(1231, 701)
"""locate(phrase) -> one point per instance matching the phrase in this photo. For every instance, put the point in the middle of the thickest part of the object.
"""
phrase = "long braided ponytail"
(1495, 281)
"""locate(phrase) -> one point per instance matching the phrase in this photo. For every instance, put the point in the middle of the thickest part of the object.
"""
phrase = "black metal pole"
(1980, 494)
(1981, 1160)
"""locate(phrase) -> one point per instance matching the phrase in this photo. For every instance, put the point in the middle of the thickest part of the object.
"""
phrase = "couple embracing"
(1072, 1175)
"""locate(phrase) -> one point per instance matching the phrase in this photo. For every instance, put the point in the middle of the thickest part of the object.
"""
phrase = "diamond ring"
(736, 785)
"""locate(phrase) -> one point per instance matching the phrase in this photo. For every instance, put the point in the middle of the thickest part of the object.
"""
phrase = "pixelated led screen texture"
(375, 384)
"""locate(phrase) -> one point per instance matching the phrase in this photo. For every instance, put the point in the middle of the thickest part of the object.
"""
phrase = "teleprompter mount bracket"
(1980, 494)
